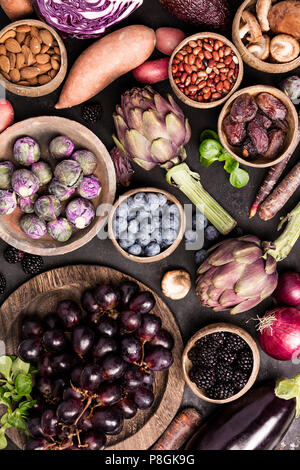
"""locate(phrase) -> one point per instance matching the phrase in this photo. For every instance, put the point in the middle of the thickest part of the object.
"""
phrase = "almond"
(9, 34)
(34, 32)
(42, 58)
(27, 73)
(35, 46)
(20, 61)
(57, 50)
(46, 37)
(55, 64)
(33, 81)
(6, 75)
(15, 75)
(2, 49)
(12, 45)
(44, 49)
(4, 63)
(51, 52)
(52, 73)
(24, 82)
(43, 79)
(23, 28)
(44, 68)
(56, 57)
(20, 37)
(27, 40)
(12, 59)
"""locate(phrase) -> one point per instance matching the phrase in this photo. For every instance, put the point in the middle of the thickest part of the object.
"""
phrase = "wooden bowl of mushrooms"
(267, 34)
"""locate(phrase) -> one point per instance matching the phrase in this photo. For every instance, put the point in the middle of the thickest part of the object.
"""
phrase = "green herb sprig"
(15, 395)
(211, 150)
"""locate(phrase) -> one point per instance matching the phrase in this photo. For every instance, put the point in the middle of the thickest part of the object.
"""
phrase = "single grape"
(62, 363)
(85, 422)
(113, 367)
(143, 398)
(149, 328)
(109, 393)
(107, 297)
(127, 407)
(94, 440)
(39, 405)
(107, 419)
(103, 346)
(159, 359)
(163, 339)
(127, 290)
(131, 349)
(107, 326)
(54, 341)
(75, 375)
(44, 386)
(91, 377)
(89, 302)
(58, 387)
(82, 339)
(133, 378)
(44, 366)
(30, 349)
(148, 379)
(69, 394)
(36, 444)
(32, 326)
(34, 427)
(130, 320)
(118, 430)
(49, 423)
(142, 302)
(69, 410)
(52, 322)
(69, 312)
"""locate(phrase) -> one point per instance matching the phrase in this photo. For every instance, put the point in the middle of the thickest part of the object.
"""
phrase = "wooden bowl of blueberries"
(220, 363)
(146, 224)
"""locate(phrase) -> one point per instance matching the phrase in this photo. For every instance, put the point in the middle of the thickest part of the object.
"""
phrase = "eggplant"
(256, 421)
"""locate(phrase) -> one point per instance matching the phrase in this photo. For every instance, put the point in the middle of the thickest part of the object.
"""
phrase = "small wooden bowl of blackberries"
(220, 363)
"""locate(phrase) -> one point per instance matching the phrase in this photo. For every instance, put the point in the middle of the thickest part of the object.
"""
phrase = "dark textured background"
(189, 314)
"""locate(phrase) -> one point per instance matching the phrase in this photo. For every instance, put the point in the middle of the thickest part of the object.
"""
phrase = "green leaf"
(4, 419)
(5, 366)
(239, 178)
(207, 162)
(288, 389)
(24, 406)
(223, 156)
(230, 165)
(20, 367)
(210, 149)
(17, 422)
(5, 401)
(3, 441)
(209, 134)
(23, 384)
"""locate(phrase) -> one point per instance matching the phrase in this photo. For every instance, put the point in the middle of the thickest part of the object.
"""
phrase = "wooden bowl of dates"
(257, 54)
(217, 328)
(43, 129)
(209, 61)
(33, 59)
(290, 128)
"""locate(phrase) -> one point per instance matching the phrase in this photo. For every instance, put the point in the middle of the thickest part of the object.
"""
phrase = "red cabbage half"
(84, 19)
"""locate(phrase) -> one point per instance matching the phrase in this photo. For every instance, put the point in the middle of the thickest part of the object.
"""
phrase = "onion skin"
(279, 333)
(288, 289)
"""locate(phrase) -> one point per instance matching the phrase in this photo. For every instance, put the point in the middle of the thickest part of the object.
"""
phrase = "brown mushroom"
(262, 11)
(251, 27)
(176, 284)
(284, 17)
(260, 49)
(284, 48)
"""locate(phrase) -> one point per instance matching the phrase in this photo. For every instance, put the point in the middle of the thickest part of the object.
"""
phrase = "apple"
(6, 115)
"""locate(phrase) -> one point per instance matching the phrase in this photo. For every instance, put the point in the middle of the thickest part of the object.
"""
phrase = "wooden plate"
(42, 293)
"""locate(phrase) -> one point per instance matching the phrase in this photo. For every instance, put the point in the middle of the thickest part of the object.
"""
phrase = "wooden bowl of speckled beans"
(201, 72)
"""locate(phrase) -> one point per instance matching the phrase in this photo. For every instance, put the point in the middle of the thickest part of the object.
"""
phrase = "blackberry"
(2, 284)
(12, 255)
(91, 113)
(203, 378)
(32, 264)
(218, 338)
(245, 360)
(225, 355)
(234, 342)
(239, 379)
(224, 372)
(208, 355)
(193, 355)
(221, 391)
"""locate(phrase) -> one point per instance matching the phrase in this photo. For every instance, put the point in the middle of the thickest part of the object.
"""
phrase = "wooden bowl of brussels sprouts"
(51, 198)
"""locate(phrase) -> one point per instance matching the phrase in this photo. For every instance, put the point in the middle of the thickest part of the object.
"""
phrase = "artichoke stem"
(189, 183)
(289, 236)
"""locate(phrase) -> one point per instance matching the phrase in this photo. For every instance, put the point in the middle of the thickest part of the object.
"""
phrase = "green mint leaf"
(17, 422)
(210, 149)
(3, 441)
(288, 389)
(5, 366)
(230, 164)
(239, 178)
(5, 401)
(24, 406)
(23, 384)
(209, 134)
(20, 367)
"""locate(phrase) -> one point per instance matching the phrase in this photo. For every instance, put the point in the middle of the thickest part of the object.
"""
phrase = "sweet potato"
(152, 71)
(167, 39)
(17, 9)
(105, 61)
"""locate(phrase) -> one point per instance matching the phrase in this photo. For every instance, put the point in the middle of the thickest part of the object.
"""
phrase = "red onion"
(279, 333)
(288, 289)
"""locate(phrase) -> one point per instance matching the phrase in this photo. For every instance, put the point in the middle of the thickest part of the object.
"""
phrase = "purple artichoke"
(237, 275)
(42, 171)
(6, 170)
(33, 226)
(26, 204)
(60, 229)
(8, 202)
(80, 212)
(24, 183)
(61, 191)
(89, 188)
(61, 147)
(87, 160)
(122, 164)
(26, 151)
(47, 208)
(69, 173)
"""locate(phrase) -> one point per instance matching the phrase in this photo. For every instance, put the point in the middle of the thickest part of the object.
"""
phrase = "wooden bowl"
(41, 294)
(43, 130)
(42, 90)
(249, 58)
(291, 137)
(163, 254)
(213, 104)
(215, 328)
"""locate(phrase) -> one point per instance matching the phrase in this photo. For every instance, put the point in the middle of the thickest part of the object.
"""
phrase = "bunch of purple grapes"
(95, 366)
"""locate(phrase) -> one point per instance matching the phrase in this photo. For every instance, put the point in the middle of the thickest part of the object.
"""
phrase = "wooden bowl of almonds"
(33, 58)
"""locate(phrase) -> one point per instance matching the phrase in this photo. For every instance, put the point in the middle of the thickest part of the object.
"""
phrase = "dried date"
(244, 108)
(263, 120)
(271, 106)
(235, 131)
(259, 136)
(249, 150)
(276, 141)
(281, 124)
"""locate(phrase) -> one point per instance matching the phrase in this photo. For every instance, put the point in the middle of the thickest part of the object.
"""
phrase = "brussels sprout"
(8, 202)
(26, 204)
(80, 212)
(60, 229)
(26, 151)
(87, 160)
(61, 147)
(24, 183)
(42, 171)
(89, 187)
(47, 207)
(61, 191)
(33, 226)
(68, 172)
(6, 170)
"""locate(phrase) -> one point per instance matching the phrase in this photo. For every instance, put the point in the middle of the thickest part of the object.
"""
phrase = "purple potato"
(69, 173)
(80, 213)
(6, 171)
(47, 208)
(42, 171)
(24, 183)
(87, 160)
(8, 202)
(61, 147)
(33, 226)
(60, 229)
(26, 151)
(59, 190)
(89, 188)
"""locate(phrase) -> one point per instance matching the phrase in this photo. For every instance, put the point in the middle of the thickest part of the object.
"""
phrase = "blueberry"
(133, 226)
(142, 214)
(135, 250)
(132, 214)
(139, 199)
(200, 256)
(143, 238)
(126, 239)
(122, 210)
(199, 221)
(162, 199)
(172, 222)
(119, 225)
(153, 201)
(146, 225)
(157, 236)
(173, 209)
(169, 236)
(191, 236)
(155, 222)
(152, 249)
(211, 233)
